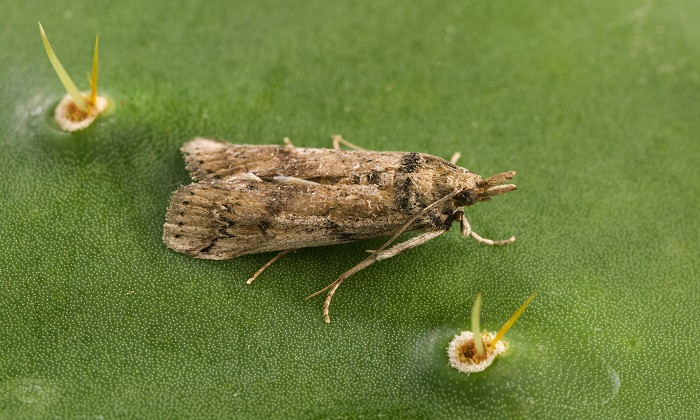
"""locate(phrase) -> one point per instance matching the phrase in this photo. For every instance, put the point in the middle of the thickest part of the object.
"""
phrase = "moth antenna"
(372, 258)
(401, 230)
(414, 218)
(504, 329)
(67, 82)
(93, 79)
(476, 325)
(318, 292)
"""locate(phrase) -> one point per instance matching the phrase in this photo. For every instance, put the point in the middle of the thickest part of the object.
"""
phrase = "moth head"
(485, 189)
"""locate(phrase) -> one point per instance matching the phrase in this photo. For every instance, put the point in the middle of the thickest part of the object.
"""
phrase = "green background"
(595, 104)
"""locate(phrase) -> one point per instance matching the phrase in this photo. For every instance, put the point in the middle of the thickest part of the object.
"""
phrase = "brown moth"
(249, 199)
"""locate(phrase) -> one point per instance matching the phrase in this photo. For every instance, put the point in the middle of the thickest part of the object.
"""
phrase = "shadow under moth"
(249, 199)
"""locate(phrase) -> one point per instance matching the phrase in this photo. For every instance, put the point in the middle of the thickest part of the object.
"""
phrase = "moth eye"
(467, 197)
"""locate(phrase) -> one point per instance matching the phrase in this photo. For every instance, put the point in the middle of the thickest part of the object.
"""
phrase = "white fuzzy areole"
(468, 337)
(67, 124)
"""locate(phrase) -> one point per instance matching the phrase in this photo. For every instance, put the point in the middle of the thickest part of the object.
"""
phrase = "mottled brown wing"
(225, 219)
(211, 159)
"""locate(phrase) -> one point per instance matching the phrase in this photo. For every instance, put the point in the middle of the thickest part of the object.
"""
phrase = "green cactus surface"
(594, 104)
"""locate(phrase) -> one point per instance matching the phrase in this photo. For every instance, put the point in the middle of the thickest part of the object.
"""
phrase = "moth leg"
(455, 157)
(269, 263)
(338, 139)
(377, 256)
(466, 230)
(287, 142)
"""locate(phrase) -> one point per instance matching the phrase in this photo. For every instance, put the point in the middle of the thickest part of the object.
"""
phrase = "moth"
(249, 199)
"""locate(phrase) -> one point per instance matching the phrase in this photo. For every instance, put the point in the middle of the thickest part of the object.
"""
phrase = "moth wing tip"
(199, 144)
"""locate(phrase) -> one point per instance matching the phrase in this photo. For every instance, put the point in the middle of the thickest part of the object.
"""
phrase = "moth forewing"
(251, 199)
(225, 219)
